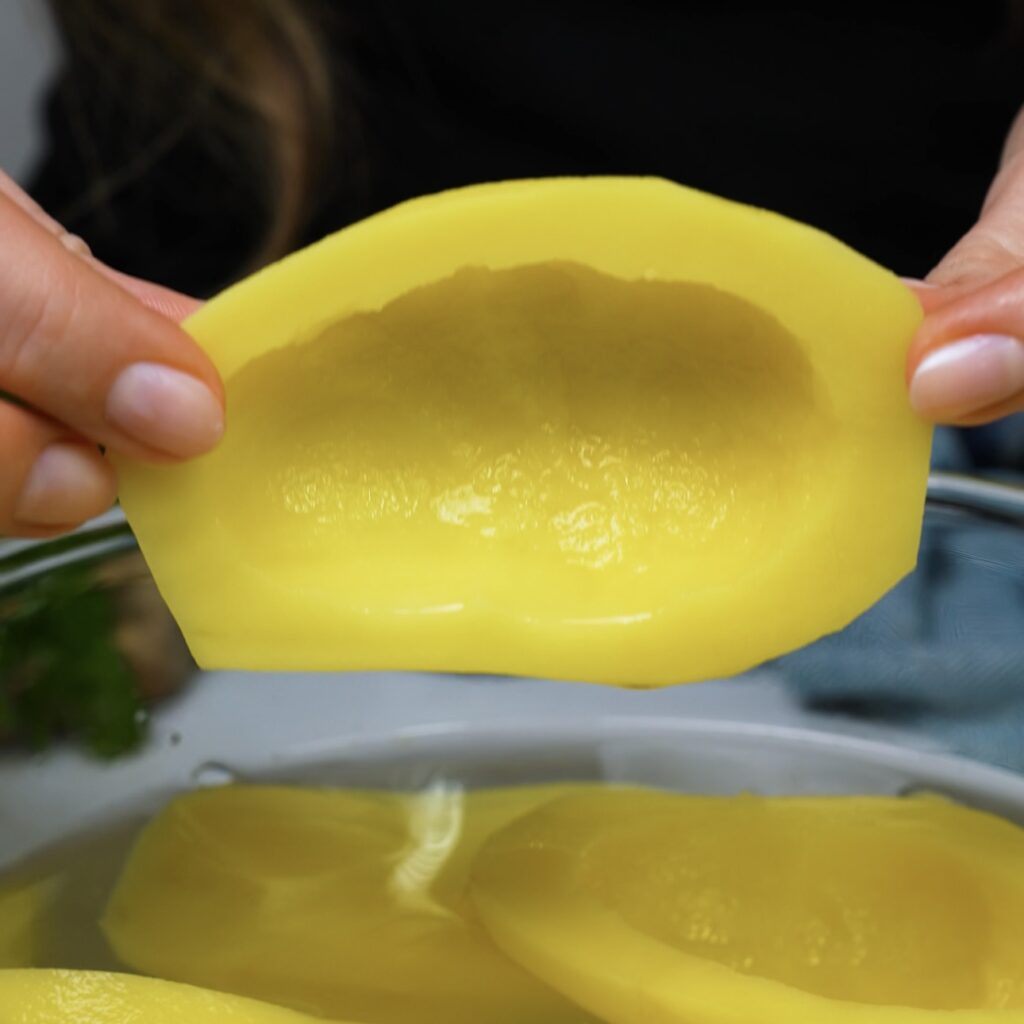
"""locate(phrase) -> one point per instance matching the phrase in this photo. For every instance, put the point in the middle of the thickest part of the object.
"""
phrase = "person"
(188, 145)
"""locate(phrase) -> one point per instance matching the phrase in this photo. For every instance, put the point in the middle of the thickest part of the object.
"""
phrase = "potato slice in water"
(96, 997)
(343, 903)
(653, 908)
(24, 909)
(603, 429)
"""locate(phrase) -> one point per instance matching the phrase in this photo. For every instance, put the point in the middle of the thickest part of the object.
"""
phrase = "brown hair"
(251, 76)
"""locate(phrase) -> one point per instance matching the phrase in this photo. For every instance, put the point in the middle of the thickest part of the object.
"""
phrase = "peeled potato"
(96, 997)
(23, 913)
(347, 903)
(608, 429)
(655, 908)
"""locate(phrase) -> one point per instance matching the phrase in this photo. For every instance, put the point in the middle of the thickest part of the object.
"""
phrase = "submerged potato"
(346, 903)
(653, 907)
(97, 997)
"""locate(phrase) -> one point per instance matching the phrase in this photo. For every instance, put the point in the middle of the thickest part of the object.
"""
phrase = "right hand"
(93, 358)
(966, 363)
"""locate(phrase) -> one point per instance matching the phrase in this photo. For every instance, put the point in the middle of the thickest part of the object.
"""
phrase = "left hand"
(966, 363)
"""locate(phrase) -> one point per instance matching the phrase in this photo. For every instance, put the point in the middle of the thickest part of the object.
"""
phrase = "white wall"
(27, 60)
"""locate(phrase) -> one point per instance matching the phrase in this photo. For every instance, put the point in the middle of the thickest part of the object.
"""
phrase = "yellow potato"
(345, 903)
(96, 997)
(652, 908)
(608, 429)
(23, 909)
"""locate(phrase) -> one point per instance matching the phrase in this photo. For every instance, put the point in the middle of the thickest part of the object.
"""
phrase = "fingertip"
(68, 483)
(954, 312)
(172, 412)
(967, 378)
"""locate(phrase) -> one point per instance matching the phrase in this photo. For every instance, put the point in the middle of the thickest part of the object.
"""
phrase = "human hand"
(966, 363)
(91, 358)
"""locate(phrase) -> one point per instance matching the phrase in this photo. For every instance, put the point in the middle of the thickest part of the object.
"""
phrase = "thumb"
(966, 362)
(995, 245)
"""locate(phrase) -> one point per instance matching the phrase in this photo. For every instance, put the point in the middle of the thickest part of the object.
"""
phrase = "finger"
(79, 347)
(168, 303)
(930, 296)
(966, 363)
(995, 244)
(52, 480)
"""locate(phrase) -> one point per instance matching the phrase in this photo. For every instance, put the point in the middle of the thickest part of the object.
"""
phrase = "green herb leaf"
(61, 672)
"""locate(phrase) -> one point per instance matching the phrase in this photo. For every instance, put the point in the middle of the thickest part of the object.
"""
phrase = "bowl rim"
(63, 794)
(948, 770)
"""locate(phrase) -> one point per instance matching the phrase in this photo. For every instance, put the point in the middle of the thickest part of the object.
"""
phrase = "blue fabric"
(943, 653)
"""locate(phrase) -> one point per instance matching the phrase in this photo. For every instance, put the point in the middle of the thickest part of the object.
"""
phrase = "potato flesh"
(352, 904)
(98, 997)
(607, 429)
(649, 906)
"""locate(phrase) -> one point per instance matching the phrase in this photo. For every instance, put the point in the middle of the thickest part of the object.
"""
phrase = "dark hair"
(250, 76)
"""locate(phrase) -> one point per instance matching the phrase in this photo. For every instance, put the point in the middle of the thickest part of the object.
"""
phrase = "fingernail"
(165, 409)
(67, 484)
(967, 376)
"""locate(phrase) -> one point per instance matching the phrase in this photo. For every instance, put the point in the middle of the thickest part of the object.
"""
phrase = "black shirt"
(879, 122)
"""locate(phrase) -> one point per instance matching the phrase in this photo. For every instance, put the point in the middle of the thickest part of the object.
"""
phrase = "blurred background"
(28, 61)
